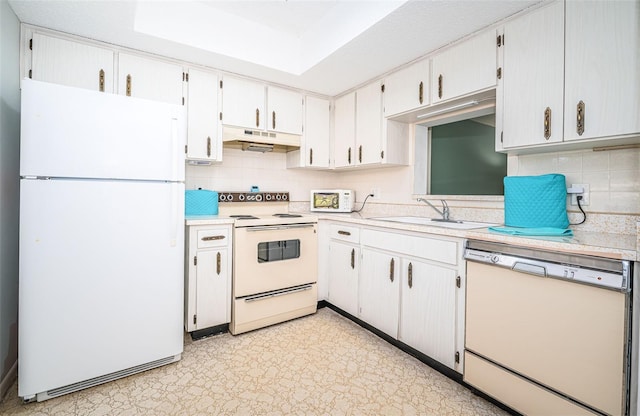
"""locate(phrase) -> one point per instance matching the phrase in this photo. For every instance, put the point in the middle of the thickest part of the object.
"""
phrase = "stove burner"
(244, 217)
(287, 215)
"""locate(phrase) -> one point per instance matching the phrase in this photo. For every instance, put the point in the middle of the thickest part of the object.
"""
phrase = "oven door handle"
(278, 227)
(277, 293)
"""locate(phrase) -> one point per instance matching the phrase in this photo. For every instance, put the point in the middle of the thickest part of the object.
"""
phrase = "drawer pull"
(213, 237)
(344, 232)
(277, 293)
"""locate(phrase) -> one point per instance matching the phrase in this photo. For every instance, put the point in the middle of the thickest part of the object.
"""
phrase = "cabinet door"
(71, 63)
(150, 79)
(317, 132)
(602, 61)
(345, 130)
(284, 110)
(213, 298)
(407, 89)
(533, 78)
(369, 124)
(428, 310)
(243, 103)
(204, 141)
(465, 68)
(343, 276)
(379, 290)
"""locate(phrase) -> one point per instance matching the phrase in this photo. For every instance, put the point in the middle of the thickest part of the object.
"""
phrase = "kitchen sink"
(455, 224)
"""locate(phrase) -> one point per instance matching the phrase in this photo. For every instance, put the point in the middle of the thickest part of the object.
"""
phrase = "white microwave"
(332, 200)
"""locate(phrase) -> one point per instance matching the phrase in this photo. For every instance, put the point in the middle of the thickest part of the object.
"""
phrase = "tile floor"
(322, 364)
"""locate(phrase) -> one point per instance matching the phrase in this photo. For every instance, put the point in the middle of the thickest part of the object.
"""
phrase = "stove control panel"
(253, 196)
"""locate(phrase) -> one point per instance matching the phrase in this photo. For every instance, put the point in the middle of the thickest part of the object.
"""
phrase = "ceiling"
(323, 46)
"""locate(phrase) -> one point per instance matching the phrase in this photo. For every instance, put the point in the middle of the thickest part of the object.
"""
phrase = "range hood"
(259, 140)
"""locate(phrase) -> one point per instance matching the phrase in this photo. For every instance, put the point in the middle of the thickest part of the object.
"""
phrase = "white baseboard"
(7, 381)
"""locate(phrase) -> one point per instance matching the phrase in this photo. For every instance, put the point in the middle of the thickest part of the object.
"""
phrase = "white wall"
(9, 191)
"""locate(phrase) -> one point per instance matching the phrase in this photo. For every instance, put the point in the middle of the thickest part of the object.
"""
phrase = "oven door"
(274, 257)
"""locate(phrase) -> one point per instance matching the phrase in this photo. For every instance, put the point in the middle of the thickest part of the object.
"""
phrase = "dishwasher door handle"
(530, 269)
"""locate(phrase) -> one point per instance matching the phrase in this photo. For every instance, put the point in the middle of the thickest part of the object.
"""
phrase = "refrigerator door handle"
(173, 223)
(175, 149)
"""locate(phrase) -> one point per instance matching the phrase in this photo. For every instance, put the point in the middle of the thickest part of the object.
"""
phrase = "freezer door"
(101, 278)
(77, 133)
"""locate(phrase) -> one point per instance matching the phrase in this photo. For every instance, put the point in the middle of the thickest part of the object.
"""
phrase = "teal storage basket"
(200, 202)
(535, 201)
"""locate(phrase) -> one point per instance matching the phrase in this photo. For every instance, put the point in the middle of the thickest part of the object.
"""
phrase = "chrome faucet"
(444, 212)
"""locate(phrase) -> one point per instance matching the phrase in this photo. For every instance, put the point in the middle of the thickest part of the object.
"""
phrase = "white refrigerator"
(101, 238)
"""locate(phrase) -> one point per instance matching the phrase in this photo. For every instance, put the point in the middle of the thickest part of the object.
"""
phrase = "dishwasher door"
(552, 334)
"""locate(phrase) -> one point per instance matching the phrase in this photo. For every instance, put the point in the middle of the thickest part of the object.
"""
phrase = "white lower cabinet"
(207, 276)
(408, 285)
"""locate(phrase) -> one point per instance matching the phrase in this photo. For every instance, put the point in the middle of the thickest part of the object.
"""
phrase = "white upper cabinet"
(315, 145)
(149, 78)
(204, 135)
(602, 65)
(284, 110)
(464, 68)
(344, 130)
(243, 103)
(532, 80)
(71, 63)
(407, 89)
(369, 124)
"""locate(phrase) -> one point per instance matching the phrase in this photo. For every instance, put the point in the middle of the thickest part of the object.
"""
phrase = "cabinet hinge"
(457, 356)
(187, 77)
(195, 319)
(382, 154)
(220, 115)
(185, 149)
(30, 73)
(458, 282)
(30, 44)
(499, 73)
(195, 260)
(382, 88)
(220, 83)
(182, 100)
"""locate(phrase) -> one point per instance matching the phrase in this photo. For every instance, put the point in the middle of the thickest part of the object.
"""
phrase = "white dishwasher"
(548, 333)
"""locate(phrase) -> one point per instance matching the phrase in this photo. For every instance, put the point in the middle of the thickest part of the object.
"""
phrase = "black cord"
(363, 202)
(584, 218)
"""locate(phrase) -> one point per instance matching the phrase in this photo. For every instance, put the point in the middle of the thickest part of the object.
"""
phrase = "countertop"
(615, 246)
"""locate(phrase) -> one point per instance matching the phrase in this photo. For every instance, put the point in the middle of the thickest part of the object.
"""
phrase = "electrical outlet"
(375, 192)
(584, 194)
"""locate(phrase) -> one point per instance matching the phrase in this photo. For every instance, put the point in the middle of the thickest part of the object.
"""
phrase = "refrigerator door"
(77, 133)
(101, 286)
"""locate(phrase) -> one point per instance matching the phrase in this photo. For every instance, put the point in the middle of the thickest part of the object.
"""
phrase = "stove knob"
(278, 197)
(268, 197)
(222, 197)
(241, 197)
(259, 197)
(284, 197)
(495, 258)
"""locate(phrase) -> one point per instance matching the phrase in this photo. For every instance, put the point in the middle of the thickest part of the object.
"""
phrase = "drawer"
(213, 237)
(440, 250)
(345, 233)
(515, 391)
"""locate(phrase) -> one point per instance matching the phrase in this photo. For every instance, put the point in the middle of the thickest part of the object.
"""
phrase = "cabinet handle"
(218, 261)
(349, 155)
(421, 92)
(580, 118)
(440, 86)
(547, 123)
(273, 120)
(311, 156)
(410, 272)
(257, 117)
(129, 85)
(209, 146)
(353, 258)
(391, 269)
(213, 237)
(344, 232)
(360, 154)
(101, 80)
